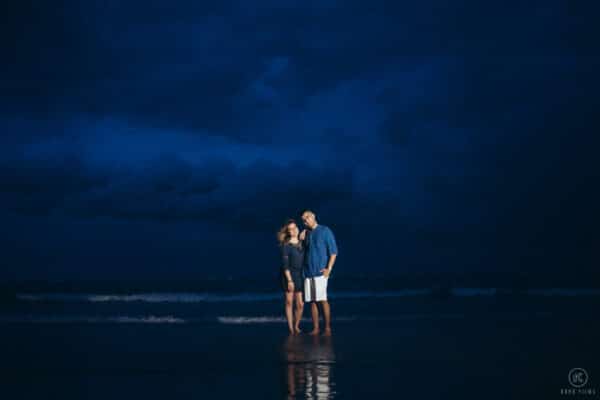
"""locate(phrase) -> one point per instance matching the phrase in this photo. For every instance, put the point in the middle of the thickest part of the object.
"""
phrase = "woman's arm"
(288, 275)
(286, 269)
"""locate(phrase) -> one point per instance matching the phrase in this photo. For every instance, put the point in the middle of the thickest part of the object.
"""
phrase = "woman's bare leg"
(299, 309)
(289, 315)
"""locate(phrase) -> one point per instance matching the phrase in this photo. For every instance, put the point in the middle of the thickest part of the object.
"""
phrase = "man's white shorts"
(315, 289)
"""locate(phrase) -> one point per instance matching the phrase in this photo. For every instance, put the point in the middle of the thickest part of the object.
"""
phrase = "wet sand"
(431, 352)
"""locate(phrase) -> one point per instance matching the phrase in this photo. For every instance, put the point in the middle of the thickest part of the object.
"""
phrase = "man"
(322, 252)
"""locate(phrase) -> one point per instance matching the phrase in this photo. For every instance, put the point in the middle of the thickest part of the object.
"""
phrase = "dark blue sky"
(164, 139)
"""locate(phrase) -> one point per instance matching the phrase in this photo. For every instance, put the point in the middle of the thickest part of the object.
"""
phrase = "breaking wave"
(190, 297)
(186, 297)
(150, 319)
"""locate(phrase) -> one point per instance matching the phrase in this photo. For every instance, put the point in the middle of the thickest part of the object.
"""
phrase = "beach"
(471, 346)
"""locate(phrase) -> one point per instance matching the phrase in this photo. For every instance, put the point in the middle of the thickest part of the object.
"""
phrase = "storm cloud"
(448, 136)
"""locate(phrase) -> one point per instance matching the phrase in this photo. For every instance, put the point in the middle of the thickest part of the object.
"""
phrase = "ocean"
(225, 341)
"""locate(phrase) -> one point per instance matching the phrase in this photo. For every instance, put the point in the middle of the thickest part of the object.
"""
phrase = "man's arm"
(332, 250)
(329, 267)
(302, 235)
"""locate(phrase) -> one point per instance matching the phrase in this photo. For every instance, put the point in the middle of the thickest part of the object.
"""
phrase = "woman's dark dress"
(293, 259)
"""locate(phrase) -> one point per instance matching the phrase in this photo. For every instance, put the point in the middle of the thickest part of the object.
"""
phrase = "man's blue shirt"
(320, 245)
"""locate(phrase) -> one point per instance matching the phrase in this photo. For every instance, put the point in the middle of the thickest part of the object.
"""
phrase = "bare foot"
(297, 331)
(291, 331)
(314, 332)
(327, 332)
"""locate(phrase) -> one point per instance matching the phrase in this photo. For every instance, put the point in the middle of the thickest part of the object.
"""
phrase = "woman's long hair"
(282, 235)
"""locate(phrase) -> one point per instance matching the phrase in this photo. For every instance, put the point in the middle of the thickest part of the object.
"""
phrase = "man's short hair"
(309, 213)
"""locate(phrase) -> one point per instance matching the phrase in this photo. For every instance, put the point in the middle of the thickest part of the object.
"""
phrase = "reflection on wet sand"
(309, 362)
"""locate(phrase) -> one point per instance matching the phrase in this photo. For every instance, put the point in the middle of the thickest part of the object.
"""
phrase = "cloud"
(171, 189)
(465, 127)
(214, 68)
(36, 187)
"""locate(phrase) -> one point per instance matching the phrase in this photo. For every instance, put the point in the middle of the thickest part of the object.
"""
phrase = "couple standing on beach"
(308, 259)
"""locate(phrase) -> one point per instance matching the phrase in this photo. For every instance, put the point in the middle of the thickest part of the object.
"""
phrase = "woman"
(292, 277)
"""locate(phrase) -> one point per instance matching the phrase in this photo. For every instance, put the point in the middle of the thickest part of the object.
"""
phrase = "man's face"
(308, 220)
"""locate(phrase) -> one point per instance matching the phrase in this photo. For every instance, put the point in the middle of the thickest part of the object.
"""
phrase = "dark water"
(468, 343)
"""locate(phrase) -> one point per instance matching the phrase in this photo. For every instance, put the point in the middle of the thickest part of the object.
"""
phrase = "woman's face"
(293, 230)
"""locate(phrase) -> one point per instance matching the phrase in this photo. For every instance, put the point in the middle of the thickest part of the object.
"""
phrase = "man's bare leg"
(326, 317)
(314, 310)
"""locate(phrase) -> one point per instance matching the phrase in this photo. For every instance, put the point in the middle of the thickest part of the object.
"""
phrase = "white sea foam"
(270, 319)
(245, 319)
(189, 297)
(200, 297)
(250, 320)
(182, 297)
(119, 319)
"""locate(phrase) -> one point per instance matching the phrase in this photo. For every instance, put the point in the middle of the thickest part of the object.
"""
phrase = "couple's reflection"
(309, 361)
